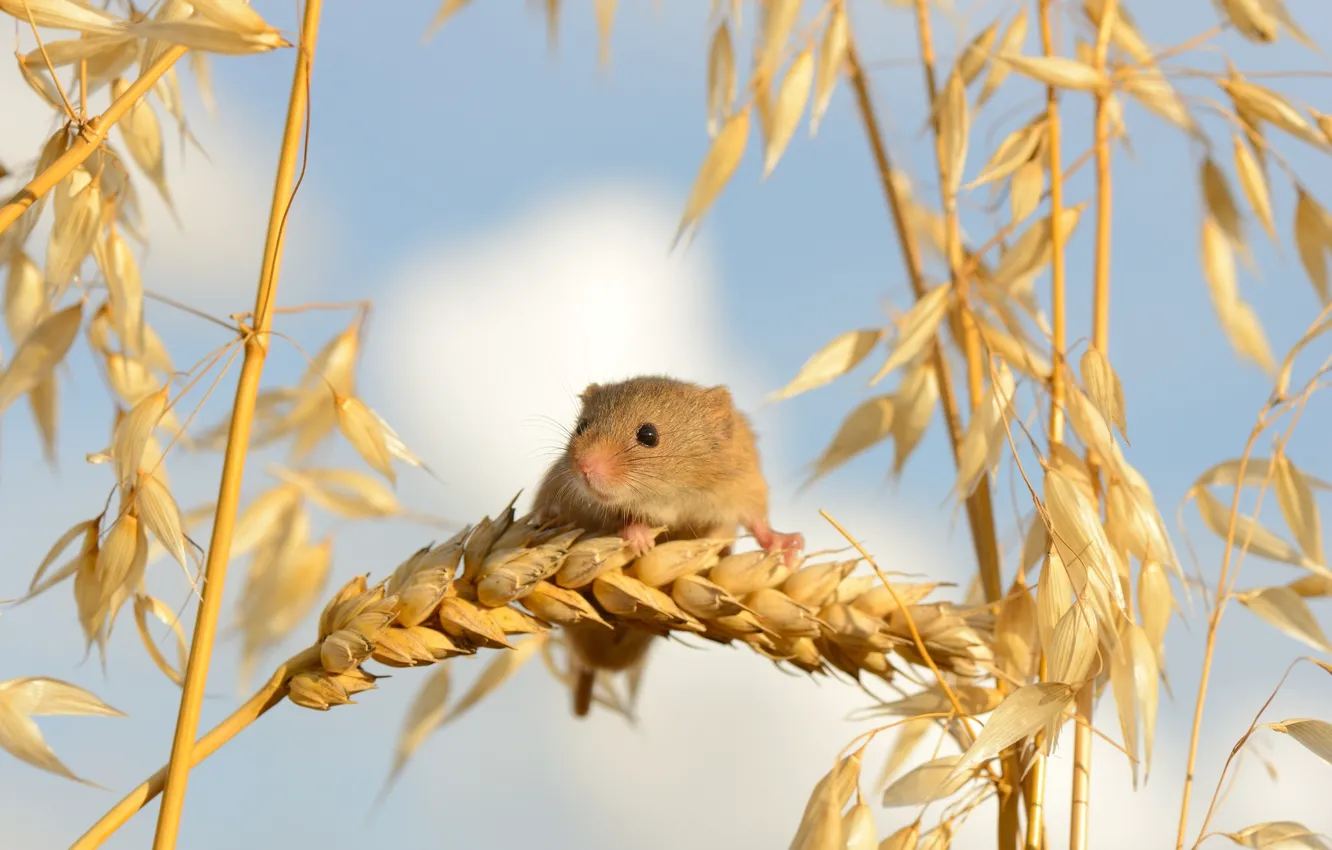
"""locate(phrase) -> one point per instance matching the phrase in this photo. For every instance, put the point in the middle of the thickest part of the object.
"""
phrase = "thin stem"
(910, 622)
(46, 57)
(238, 439)
(907, 240)
(94, 132)
(980, 511)
(1036, 798)
(83, 85)
(1082, 739)
(980, 515)
(272, 693)
(1224, 588)
(1239, 745)
(1104, 198)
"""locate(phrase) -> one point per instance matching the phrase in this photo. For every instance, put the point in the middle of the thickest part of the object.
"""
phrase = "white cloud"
(210, 260)
(479, 341)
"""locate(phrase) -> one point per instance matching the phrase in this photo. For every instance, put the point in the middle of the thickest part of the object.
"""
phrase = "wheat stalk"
(238, 440)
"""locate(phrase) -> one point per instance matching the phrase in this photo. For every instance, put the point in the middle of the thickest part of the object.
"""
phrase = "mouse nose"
(594, 467)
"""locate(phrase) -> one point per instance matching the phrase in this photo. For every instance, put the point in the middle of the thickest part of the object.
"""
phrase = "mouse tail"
(587, 677)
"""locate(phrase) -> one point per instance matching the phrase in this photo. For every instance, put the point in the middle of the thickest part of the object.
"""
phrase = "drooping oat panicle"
(145, 605)
(64, 14)
(41, 351)
(832, 59)
(35, 696)
(88, 533)
(361, 428)
(792, 96)
(721, 78)
(865, 426)
(718, 166)
(344, 492)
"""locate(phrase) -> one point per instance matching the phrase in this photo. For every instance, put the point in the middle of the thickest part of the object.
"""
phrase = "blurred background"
(509, 210)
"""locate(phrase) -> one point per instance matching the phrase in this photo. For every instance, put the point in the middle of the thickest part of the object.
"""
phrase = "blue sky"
(509, 212)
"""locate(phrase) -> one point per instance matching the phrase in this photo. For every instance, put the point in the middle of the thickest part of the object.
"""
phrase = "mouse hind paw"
(790, 545)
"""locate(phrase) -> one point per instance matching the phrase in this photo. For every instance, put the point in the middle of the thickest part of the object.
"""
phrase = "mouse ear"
(720, 409)
(587, 391)
(719, 394)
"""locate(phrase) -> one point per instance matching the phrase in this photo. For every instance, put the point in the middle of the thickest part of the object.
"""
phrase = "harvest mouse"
(654, 452)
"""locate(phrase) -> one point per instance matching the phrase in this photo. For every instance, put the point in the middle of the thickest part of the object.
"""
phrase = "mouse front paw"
(791, 545)
(640, 537)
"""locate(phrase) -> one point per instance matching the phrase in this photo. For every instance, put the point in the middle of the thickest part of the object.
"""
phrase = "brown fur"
(702, 479)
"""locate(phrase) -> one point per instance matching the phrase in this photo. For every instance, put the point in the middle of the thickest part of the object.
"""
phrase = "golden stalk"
(238, 438)
(910, 250)
(1036, 783)
(273, 692)
(967, 335)
(90, 138)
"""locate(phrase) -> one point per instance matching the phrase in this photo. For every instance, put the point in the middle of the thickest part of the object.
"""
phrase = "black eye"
(647, 435)
(582, 426)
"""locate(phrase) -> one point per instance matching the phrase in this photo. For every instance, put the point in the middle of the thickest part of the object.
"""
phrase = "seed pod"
(518, 535)
(507, 576)
(356, 680)
(853, 628)
(511, 621)
(802, 652)
(409, 647)
(782, 614)
(878, 601)
(704, 599)
(315, 689)
(872, 661)
(747, 572)
(560, 606)
(461, 618)
(421, 594)
(741, 625)
(852, 588)
(628, 597)
(664, 563)
(814, 585)
(352, 589)
(372, 619)
(590, 558)
(343, 650)
(482, 540)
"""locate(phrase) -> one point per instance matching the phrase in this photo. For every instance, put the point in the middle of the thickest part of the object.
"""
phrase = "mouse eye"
(582, 426)
(647, 435)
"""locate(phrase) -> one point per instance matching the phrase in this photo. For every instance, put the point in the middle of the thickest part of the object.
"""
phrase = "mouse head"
(649, 439)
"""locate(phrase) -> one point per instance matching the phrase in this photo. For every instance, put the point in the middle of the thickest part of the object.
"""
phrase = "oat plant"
(1000, 674)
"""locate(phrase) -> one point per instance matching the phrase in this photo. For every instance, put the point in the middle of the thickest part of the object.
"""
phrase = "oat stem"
(272, 693)
(1036, 799)
(90, 138)
(238, 438)
(967, 337)
(966, 334)
(907, 241)
(1082, 738)
(980, 516)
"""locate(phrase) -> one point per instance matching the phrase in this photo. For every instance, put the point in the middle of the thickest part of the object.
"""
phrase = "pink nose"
(593, 467)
